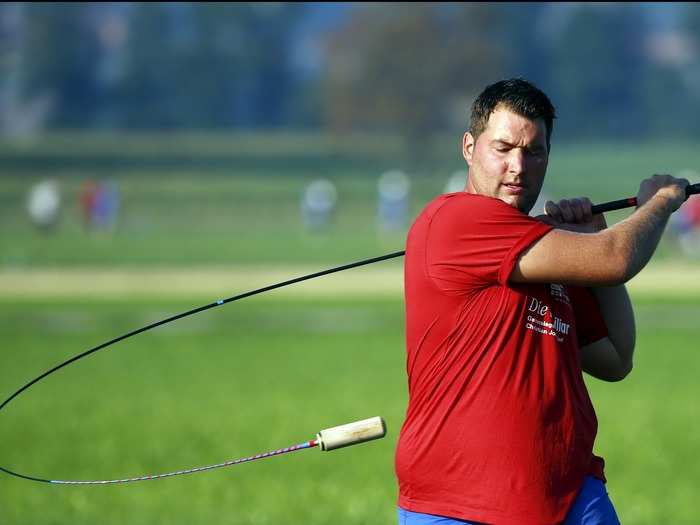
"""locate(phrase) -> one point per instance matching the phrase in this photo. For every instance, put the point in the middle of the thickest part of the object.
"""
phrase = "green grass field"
(258, 376)
(226, 384)
(209, 216)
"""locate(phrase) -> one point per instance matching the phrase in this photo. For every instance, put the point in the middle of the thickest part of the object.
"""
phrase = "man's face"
(509, 159)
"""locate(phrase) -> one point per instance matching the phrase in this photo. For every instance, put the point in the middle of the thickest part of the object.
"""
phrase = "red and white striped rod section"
(328, 439)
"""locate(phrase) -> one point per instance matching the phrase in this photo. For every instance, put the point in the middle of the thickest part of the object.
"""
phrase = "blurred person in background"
(393, 191)
(106, 206)
(503, 314)
(44, 205)
(99, 204)
(686, 227)
(87, 197)
(318, 203)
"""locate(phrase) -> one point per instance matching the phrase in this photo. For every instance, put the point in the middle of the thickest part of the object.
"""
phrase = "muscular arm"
(610, 358)
(603, 258)
(607, 258)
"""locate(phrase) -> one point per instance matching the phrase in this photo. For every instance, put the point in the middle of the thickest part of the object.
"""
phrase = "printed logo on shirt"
(558, 291)
(539, 319)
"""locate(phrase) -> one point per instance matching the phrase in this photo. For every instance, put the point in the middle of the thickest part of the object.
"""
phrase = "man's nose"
(516, 161)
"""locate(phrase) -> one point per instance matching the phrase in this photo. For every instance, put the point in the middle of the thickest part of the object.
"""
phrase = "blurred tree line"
(612, 70)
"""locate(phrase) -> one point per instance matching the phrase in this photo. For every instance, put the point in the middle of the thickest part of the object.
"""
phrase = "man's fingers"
(574, 215)
(587, 206)
(666, 186)
(577, 210)
(548, 220)
(684, 183)
(566, 212)
(552, 210)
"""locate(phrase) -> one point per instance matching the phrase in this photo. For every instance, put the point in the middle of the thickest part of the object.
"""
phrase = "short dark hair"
(517, 95)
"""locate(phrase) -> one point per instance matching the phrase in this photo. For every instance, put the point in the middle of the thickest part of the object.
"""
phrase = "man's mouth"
(514, 189)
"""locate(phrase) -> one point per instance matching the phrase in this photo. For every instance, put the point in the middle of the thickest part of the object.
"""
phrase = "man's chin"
(517, 202)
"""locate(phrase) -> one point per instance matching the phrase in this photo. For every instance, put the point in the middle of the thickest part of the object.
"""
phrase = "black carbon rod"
(691, 189)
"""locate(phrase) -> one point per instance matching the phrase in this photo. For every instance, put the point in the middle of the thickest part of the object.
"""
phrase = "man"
(503, 311)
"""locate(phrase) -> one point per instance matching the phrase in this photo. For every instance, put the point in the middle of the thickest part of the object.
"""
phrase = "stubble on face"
(508, 161)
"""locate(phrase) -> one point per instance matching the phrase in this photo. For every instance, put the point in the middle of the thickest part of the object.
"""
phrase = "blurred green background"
(211, 121)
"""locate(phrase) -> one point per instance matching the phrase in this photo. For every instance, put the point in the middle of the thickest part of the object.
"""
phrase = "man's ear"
(468, 142)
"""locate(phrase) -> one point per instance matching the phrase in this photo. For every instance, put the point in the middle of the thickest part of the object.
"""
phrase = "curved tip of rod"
(22, 476)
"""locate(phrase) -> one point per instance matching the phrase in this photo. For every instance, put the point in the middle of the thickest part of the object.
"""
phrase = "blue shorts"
(592, 506)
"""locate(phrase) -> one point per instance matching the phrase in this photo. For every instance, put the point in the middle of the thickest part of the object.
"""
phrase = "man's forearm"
(636, 238)
(606, 257)
(616, 309)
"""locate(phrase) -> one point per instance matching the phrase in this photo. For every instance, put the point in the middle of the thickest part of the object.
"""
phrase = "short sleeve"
(590, 325)
(475, 241)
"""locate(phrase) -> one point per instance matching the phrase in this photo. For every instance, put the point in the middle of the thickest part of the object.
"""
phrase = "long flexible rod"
(600, 208)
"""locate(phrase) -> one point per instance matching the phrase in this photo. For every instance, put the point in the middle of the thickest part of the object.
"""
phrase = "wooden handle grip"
(352, 433)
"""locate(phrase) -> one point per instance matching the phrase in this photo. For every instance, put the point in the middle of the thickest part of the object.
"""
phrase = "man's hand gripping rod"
(691, 189)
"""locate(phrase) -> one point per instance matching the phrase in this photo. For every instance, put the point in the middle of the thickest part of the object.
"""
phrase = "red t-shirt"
(499, 427)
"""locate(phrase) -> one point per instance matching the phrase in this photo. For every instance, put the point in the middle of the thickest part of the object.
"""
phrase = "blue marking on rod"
(220, 302)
